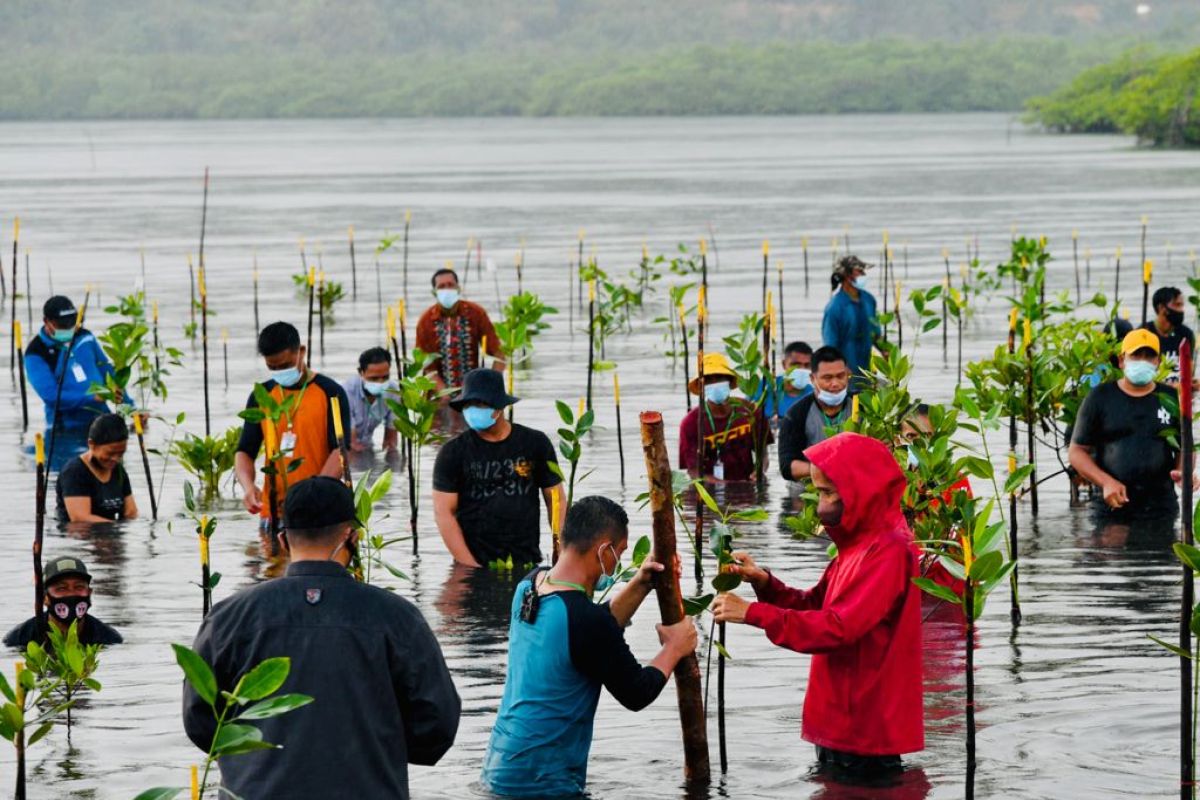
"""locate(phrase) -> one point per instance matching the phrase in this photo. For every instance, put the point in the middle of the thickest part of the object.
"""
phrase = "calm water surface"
(1077, 703)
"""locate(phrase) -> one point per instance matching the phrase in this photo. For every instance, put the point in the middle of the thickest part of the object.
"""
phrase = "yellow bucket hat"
(714, 364)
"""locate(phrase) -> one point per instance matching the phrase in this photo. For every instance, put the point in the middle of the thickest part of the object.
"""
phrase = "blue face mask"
(376, 389)
(717, 392)
(861, 283)
(1140, 373)
(832, 398)
(479, 417)
(799, 377)
(447, 297)
(607, 579)
(63, 335)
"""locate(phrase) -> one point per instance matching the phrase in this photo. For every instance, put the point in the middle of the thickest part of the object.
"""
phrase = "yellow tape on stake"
(335, 405)
(39, 448)
(391, 323)
(1147, 271)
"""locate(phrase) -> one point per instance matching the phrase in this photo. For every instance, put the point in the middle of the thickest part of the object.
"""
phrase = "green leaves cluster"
(368, 494)
(975, 558)
(570, 443)
(138, 362)
(208, 458)
(521, 323)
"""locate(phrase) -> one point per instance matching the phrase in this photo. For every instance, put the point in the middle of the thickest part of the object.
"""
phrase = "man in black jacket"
(383, 695)
(807, 422)
(68, 596)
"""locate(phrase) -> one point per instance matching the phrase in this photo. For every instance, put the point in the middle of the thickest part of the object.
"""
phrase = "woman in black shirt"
(95, 487)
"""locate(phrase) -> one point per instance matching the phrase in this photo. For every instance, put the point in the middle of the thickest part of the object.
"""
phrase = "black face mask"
(1174, 317)
(70, 608)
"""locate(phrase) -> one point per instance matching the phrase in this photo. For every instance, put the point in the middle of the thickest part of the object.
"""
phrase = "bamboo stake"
(686, 368)
(4, 282)
(899, 319)
(579, 277)
(225, 355)
(1117, 279)
(591, 338)
(571, 297)
(137, 428)
(1075, 258)
(254, 277)
(204, 347)
(804, 248)
(407, 223)
(670, 600)
(1187, 763)
(39, 527)
(479, 259)
(617, 407)
(1015, 607)
(353, 267)
(704, 274)
(409, 446)
(154, 333)
(766, 255)
(29, 297)
(1087, 266)
(205, 570)
(12, 345)
(321, 313)
(945, 288)
(1147, 273)
(18, 339)
(555, 546)
(339, 435)
(312, 281)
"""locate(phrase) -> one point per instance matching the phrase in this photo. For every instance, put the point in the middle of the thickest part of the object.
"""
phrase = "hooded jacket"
(862, 621)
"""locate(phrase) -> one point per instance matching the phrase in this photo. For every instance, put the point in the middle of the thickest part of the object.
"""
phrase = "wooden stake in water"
(195, 783)
(353, 267)
(18, 339)
(254, 275)
(205, 570)
(204, 347)
(192, 305)
(1087, 267)
(945, 310)
(555, 547)
(39, 526)
(1117, 277)
(520, 268)
(1147, 273)
(29, 296)
(225, 355)
(969, 608)
(766, 254)
(154, 334)
(670, 600)
(466, 272)
(1145, 223)
(883, 262)
(701, 416)
(339, 435)
(1015, 607)
(899, 319)
(779, 268)
(407, 223)
(137, 429)
(617, 407)
(1075, 258)
(1187, 764)
(683, 335)
(12, 345)
(270, 445)
(591, 362)
(312, 283)
(579, 276)
(804, 249)
(321, 312)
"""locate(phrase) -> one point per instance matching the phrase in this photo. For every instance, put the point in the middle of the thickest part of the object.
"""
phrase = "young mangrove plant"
(570, 444)
(414, 408)
(208, 458)
(372, 544)
(274, 416)
(205, 527)
(251, 699)
(67, 662)
(30, 703)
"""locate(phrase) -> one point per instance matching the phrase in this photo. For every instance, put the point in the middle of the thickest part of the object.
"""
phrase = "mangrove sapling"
(138, 367)
(205, 527)
(519, 324)
(414, 408)
(232, 709)
(977, 561)
(749, 359)
(683, 336)
(367, 495)
(570, 443)
(27, 704)
(617, 410)
(208, 458)
(69, 663)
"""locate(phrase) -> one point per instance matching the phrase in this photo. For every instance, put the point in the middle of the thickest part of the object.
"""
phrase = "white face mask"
(447, 297)
(861, 283)
(799, 377)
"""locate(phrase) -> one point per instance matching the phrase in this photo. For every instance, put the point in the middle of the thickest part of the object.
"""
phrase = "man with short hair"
(306, 435)
(367, 393)
(735, 431)
(382, 692)
(1118, 443)
(1168, 326)
(794, 383)
(809, 420)
(489, 481)
(76, 407)
(850, 323)
(453, 329)
(68, 596)
(562, 647)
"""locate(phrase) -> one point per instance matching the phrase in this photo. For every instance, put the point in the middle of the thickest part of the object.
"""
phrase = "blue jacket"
(88, 365)
(851, 327)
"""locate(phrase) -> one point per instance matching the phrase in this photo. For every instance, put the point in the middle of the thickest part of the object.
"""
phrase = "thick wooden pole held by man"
(670, 599)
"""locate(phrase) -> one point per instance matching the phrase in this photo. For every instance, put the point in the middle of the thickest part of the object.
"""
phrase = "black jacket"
(793, 439)
(383, 697)
(34, 629)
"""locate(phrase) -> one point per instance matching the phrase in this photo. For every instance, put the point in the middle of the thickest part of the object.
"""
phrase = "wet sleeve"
(687, 442)
(791, 439)
(199, 722)
(251, 440)
(546, 477)
(447, 467)
(870, 594)
(599, 650)
(429, 704)
(1087, 421)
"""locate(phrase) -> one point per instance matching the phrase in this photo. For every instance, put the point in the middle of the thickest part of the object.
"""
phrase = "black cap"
(64, 568)
(483, 385)
(60, 310)
(318, 502)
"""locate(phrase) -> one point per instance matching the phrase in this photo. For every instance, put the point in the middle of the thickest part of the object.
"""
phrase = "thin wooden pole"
(697, 770)
(312, 283)
(1187, 753)
(782, 331)
(353, 267)
(579, 277)
(321, 313)
(339, 435)
(969, 600)
(899, 319)
(1117, 277)
(254, 276)
(945, 288)
(766, 255)
(29, 297)
(683, 333)
(205, 570)
(804, 248)
(1075, 258)
(17, 338)
(12, 345)
(1147, 273)
(225, 355)
(1013, 553)
(137, 428)
(407, 224)
(1030, 419)
(701, 408)
(39, 527)
(591, 361)
(204, 347)
(617, 407)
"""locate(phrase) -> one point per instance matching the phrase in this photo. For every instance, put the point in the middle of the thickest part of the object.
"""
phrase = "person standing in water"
(850, 323)
(1168, 326)
(367, 394)
(808, 421)
(489, 481)
(94, 487)
(735, 432)
(794, 384)
(862, 621)
(453, 329)
(68, 597)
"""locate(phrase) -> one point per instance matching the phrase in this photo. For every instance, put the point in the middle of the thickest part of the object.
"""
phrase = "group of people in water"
(392, 700)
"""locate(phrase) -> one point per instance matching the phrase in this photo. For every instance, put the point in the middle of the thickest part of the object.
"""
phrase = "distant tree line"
(1154, 96)
(774, 78)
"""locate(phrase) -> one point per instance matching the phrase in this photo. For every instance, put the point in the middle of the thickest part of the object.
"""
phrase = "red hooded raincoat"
(862, 621)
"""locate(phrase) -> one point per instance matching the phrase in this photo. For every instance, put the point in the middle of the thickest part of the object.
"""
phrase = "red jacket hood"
(869, 482)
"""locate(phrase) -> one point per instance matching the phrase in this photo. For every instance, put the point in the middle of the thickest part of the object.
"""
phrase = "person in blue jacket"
(850, 323)
(73, 411)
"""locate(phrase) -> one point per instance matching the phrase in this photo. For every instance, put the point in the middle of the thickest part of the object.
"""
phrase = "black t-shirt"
(498, 485)
(108, 499)
(1169, 345)
(1125, 434)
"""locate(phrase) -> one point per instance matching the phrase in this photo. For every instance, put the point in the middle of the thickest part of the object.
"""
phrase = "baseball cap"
(318, 502)
(1137, 339)
(64, 568)
(850, 263)
(60, 309)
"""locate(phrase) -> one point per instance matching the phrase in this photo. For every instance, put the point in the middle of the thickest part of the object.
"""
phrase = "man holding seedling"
(367, 394)
(862, 621)
(490, 481)
(809, 421)
(384, 698)
(1168, 326)
(735, 432)
(849, 323)
(1118, 443)
(68, 596)
(455, 329)
(303, 441)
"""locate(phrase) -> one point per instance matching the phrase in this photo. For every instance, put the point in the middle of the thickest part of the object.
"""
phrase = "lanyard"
(565, 584)
(724, 435)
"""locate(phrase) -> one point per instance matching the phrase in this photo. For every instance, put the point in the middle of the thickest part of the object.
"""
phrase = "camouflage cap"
(848, 264)
(63, 568)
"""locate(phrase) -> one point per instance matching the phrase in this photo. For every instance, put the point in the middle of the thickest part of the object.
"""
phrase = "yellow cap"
(713, 364)
(1137, 339)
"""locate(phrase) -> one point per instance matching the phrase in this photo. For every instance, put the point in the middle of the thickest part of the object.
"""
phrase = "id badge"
(719, 470)
(77, 371)
(287, 442)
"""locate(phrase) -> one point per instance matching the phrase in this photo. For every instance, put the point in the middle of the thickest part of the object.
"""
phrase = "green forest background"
(66, 59)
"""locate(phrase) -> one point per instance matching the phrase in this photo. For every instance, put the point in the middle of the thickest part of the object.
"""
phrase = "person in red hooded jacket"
(861, 622)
